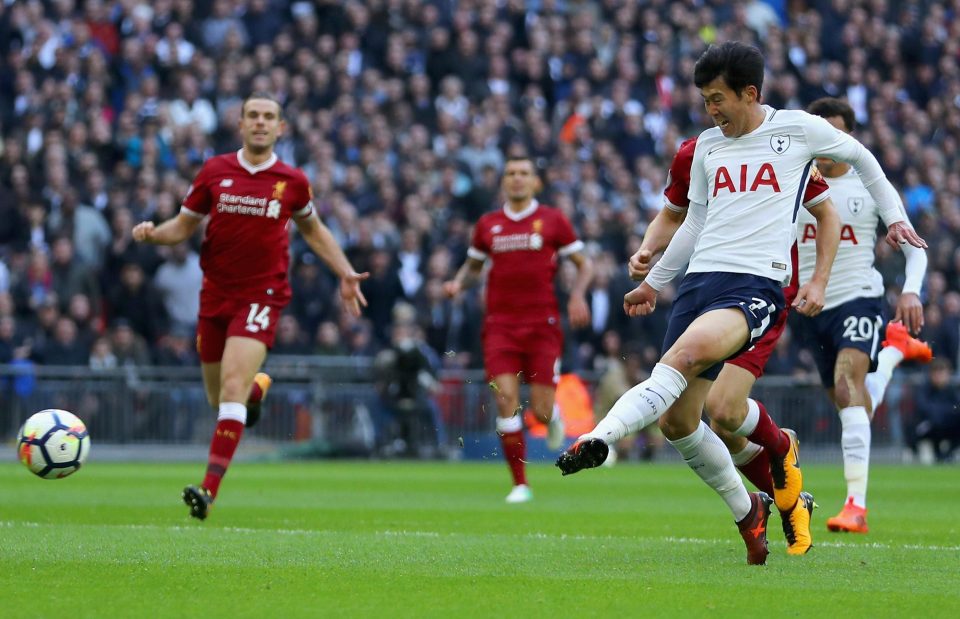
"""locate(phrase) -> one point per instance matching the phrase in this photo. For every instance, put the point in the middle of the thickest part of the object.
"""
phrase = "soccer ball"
(53, 443)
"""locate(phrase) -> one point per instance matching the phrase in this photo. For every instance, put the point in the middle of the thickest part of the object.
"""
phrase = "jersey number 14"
(259, 318)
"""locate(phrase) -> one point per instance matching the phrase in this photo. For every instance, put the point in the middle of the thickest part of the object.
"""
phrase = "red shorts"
(222, 317)
(532, 349)
(755, 359)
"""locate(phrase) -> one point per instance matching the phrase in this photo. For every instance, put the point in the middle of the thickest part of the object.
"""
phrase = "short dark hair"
(828, 107)
(261, 94)
(523, 155)
(518, 156)
(740, 65)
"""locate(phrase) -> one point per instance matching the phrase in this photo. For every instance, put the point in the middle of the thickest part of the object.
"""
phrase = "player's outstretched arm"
(170, 232)
(813, 294)
(577, 309)
(909, 307)
(468, 276)
(656, 239)
(827, 141)
(321, 241)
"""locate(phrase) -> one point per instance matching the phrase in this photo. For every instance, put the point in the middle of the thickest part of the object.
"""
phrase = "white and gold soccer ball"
(53, 443)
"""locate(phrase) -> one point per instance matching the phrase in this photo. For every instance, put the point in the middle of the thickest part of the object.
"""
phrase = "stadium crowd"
(400, 113)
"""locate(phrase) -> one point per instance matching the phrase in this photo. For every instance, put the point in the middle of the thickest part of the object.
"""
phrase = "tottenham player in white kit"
(747, 181)
(845, 337)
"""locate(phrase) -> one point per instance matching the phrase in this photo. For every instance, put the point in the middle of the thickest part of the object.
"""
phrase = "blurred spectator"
(290, 338)
(85, 226)
(137, 302)
(11, 342)
(328, 342)
(71, 277)
(88, 325)
(64, 348)
(101, 355)
(34, 288)
(192, 109)
(177, 348)
(937, 430)
(178, 281)
(313, 292)
(409, 420)
(383, 289)
(129, 347)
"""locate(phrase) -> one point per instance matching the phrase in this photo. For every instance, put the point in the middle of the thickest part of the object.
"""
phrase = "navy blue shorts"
(855, 324)
(760, 299)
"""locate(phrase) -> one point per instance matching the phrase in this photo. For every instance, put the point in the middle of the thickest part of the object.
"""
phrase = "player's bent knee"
(689, 360)
(674, 428)
(723, 413)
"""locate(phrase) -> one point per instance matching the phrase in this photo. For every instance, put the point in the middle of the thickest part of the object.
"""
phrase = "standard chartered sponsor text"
(241, 205)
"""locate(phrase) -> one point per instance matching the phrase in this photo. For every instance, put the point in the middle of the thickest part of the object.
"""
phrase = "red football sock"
(768, 435)
(515, 452)
(226, 437)
(256, 393)
(757, 471)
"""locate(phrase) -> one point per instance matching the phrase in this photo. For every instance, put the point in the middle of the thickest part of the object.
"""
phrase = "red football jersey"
(523, 248)
(678, 183)
(246, 246)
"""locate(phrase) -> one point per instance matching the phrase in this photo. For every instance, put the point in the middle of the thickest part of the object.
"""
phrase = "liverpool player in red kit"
(521, 330)
(249, 196)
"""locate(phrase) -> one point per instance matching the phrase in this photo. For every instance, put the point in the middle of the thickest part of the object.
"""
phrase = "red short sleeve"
(678, 178)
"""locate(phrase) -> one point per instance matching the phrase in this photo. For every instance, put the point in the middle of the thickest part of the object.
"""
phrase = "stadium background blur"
(400, 112)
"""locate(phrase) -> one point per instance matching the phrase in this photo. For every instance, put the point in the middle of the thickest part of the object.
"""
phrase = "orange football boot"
(851, 519)
(912, 348)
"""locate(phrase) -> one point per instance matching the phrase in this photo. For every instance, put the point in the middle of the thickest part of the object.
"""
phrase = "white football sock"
(887, 360)
(507, 425)
(745, 455)
(233, 410)
(556, 413)
(641, 405)
(705, 453)
(855, 442)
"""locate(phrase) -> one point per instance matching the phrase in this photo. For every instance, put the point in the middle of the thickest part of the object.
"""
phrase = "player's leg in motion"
(749, 418)
(707, 456)
(506, 388)
(258, 392)
(898, 346)
(729, 407)
(855, 410)
(242, 358)
(708, 339)
(544, 406)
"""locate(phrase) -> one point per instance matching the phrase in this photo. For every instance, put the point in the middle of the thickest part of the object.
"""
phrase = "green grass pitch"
(359, 539)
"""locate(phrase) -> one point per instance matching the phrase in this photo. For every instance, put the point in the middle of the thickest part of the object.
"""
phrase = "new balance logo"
(227, 182)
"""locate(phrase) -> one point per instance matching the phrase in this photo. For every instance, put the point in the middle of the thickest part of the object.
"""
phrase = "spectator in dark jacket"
(938, 410)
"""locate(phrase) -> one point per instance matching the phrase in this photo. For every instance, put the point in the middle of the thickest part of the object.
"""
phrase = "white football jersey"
(753, 187)
(853, 275)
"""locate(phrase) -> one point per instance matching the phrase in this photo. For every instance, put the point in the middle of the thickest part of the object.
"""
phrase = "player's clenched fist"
(639, 265)
(143, 231)
(640, 301)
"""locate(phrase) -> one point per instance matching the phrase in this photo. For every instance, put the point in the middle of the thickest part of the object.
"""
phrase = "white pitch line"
(435, 534)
